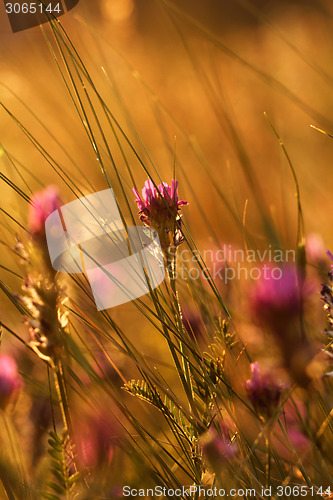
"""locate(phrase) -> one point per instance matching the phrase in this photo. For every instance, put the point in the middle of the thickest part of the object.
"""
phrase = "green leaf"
(54, 445)
(49, 496)
(56, 487)
(55, 436)
(55, 454)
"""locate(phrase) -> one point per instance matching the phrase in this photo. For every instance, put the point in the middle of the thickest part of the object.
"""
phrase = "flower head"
(94, 440)
(278, 297)
(263, 392)
(293, 426)
(47, 319)
(159, 208)
(155, 202)
(278, 302)
(194, 323)
(10, 380)
(42, 204)
(218, 445)
(315, 249)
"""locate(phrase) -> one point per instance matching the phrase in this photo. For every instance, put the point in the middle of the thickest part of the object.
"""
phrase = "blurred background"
(189, 82)
(195, 78)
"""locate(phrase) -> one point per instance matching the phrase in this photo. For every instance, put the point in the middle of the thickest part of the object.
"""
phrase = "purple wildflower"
(194, 323)
(159, 208)
(293, 424)
(218, 446)
(10, 380)
(277, 302)
(163, 199)
(94, 440)
(263, 392)
(43, 291)
(42, 204)
(278, 297)
(315, 249)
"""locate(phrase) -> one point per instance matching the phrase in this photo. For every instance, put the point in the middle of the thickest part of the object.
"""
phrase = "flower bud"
(278, 298)
(95, 441)
(42, 204)
(217, 445)
(10, 381)
(263, 392)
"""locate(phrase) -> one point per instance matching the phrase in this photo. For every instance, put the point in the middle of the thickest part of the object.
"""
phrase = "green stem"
(171, 264)
(184, 371)
(268, 458)
(60, 386)
(62, 395)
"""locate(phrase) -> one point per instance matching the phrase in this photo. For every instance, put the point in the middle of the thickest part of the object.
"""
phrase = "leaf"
(49, 496)
(55, 436)
(55, 454)
(168, 408)
(56, 487)
(63, 481)
(54, 445)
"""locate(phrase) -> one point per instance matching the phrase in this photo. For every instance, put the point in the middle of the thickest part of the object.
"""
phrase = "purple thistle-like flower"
(42, 204)
(263, 392)
(43, 293)
(159, 208)
(153, 201)
(315, 249)
(194, 323)
(278, 297)
(10, 380)
(217, 445)
(95, 441)
(278, 302)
